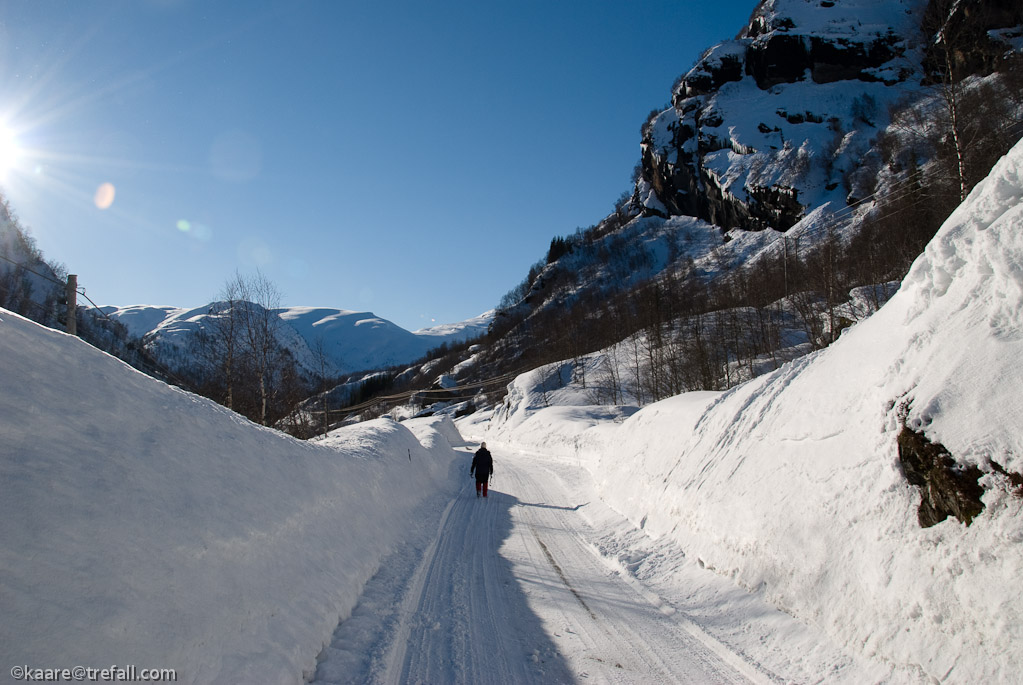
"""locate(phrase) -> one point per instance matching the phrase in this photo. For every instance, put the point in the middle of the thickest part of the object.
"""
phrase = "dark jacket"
(482, 464)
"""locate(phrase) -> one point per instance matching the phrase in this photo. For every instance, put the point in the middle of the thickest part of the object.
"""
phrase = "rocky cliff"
(773, 123)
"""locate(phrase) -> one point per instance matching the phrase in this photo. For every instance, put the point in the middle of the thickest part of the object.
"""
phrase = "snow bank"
(143, 525)
(439, 430)
(546, 412)
(790, 484)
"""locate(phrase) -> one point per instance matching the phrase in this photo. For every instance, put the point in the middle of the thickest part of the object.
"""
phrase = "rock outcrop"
(776, 121)
(946, 488)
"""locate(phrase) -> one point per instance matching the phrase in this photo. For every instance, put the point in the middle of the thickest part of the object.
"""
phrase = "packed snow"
(763, 534)
(144, 525)
(790, 484)
(537, 584)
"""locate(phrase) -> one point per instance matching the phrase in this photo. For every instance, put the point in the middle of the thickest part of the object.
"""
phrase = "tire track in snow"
(396, 658)
(464, 618)
(719, 648)
(619, 635)
(509, 590)
(561, 574)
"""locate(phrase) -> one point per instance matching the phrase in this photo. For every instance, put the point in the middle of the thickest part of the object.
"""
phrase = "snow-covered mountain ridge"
(351, 341)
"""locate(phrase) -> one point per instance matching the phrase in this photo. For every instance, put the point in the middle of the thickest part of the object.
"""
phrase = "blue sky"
(407, 158)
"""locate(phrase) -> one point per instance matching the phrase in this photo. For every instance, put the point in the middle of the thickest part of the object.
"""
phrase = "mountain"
(351, 341)
(796, 173)
(807, 159)
(772, 123)
(36, 288)
(786, 118)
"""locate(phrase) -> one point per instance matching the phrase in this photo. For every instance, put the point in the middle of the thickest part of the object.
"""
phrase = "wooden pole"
(71, 294)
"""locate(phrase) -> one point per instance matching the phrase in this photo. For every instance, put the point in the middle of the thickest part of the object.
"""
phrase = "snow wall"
(143, 525)
(791, 483)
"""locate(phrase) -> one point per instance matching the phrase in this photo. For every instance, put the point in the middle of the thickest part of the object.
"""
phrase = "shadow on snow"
(473, 622)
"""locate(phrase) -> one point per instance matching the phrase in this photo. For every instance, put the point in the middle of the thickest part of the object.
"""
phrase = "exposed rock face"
(739, 145)
(780, 57)
(976, 33)
(777, 120)
(947, 488)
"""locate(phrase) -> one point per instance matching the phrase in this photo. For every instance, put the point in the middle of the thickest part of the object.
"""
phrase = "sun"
(10, 150)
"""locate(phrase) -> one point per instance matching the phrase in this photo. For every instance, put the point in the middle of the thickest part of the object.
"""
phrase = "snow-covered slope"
(791, 483)
(352, 341)
(140, 524)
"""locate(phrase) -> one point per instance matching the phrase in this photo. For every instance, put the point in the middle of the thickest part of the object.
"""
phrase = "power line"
(161, 370)
(152, 363)
(31, 271)
(143, 362)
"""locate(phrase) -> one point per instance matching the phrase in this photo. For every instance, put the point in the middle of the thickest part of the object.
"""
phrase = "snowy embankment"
(143, 525)
(791, 483)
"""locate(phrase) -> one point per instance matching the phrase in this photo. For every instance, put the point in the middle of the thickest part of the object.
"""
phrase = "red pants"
(481, 484)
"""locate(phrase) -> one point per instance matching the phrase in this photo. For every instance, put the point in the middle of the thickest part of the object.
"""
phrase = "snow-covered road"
(512, 588)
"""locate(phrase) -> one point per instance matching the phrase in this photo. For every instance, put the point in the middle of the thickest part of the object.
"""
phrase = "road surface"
(511, 589)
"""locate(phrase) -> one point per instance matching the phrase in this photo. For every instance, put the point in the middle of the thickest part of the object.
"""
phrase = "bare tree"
(241, 360)
(608, 386)
(979, 120)
(260, 325)
(218, 343)
(322, 364)
(951, 88)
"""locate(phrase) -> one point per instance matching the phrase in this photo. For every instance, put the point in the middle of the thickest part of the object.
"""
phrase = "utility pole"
(71, 295)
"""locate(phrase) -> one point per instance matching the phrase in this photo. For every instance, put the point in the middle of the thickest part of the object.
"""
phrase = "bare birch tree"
(260, 326)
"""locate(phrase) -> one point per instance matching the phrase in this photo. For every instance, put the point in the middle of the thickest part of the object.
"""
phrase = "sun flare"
(9, 150)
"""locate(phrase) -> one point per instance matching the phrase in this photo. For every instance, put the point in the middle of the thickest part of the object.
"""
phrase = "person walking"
(483, 466)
